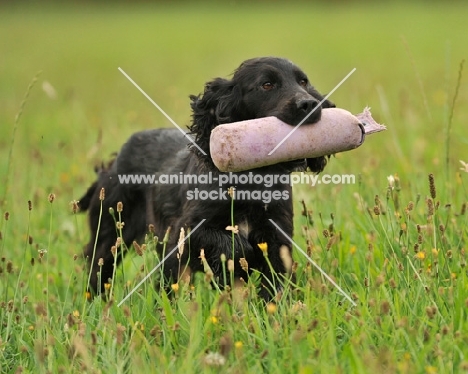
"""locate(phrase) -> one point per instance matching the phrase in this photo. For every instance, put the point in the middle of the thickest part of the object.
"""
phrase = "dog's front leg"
(215, 243)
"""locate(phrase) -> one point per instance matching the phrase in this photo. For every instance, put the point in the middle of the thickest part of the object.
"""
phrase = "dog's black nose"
(305, 106)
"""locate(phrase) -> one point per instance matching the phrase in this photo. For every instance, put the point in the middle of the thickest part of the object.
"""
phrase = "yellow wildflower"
(238, 344)
(420, 255)
(263, 247)
(271, 308)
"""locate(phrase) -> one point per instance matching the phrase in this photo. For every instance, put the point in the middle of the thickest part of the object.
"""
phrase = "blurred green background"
(407, 56)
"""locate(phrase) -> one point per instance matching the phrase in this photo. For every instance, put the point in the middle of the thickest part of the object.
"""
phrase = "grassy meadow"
(395, 241)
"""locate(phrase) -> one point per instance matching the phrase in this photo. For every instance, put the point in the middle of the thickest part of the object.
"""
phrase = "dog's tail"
(85, 201)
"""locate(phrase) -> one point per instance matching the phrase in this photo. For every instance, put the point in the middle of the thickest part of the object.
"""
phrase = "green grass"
(401, 256)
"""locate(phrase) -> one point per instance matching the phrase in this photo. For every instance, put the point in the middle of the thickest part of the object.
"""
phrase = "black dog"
(260, 87)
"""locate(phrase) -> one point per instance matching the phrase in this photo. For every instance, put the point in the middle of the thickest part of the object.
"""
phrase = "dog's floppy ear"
(219, 100)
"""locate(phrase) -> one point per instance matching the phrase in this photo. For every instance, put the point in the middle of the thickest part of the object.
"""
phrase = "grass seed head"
(410, 206)
(430, 207)
(126, 311)
(231, 192)
(379, 280)
(420, 239)
(244, 264)
(294, 267)
(139, 249)
(431, 311)
(445, 330)
(75, 207)
(120, 334)
(463, 209)
(384, 307)
(432, 187)
(225, 344)
(377, 200)
(167, 234)
(376, 210)
(230, 265)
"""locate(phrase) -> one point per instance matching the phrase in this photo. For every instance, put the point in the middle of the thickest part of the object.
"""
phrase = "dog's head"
(260, 87)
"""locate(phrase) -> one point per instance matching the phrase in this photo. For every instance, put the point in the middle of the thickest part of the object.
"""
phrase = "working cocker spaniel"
(260, 87)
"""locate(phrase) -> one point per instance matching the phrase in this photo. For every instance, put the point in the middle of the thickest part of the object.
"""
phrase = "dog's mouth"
(312, 117)
(296, 165)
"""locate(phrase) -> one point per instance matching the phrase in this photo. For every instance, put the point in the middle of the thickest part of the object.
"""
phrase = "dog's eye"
(267, 86)
(303, 82)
